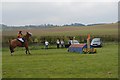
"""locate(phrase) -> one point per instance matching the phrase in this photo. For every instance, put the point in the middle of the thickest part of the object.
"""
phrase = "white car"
(96, 42)
(73, 42)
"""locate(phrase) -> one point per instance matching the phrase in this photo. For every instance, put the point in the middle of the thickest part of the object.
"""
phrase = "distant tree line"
(52, 39)
(47, 25)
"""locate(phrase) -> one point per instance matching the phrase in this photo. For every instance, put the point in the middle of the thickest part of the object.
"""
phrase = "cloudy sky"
(55, 12)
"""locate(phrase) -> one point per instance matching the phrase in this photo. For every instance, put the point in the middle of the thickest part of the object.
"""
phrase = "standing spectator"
(69, 42)
(58, 43)
(62, 43)
(46, 44)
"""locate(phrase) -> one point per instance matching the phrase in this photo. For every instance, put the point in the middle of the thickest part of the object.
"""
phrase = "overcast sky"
(25, 13)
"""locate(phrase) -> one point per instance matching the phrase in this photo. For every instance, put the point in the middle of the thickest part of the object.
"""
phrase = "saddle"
(22, 40)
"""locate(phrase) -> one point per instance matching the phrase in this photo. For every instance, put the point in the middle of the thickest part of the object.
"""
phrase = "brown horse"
(15, 42)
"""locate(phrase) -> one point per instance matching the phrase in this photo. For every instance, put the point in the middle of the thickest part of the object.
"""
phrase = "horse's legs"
(26, 46)
(27, 50)
(11, 50)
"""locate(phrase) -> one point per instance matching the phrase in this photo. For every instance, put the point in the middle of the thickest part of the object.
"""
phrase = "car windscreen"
(75, 41)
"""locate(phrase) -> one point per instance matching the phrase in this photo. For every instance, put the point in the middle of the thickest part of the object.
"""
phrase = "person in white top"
(62, 43)
(58, 43)
(46, 44)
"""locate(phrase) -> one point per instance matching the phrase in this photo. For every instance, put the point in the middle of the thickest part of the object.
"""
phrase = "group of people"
(58, 42)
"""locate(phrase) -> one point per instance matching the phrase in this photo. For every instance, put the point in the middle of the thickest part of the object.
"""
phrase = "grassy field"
(58, 63)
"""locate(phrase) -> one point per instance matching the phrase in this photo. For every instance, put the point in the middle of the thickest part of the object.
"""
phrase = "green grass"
(58, 63)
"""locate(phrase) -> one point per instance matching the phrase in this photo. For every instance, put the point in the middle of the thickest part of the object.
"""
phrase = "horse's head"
(29, 34)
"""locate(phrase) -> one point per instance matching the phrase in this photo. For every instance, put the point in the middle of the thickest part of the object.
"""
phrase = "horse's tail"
(9, 41)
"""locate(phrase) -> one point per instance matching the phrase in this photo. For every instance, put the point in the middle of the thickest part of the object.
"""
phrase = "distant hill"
(6, 27)
(3, 25)
(97, 24)
(74, 24)
(43, 25)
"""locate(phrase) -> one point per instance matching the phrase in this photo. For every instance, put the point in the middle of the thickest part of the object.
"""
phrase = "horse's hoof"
(11, 54)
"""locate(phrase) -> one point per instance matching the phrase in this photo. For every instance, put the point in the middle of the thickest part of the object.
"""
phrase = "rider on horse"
(20, 37)
(21, 41)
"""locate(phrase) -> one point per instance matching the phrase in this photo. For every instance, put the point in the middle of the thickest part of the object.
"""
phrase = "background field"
(58, 63)
(107, 32)
(106, 29)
